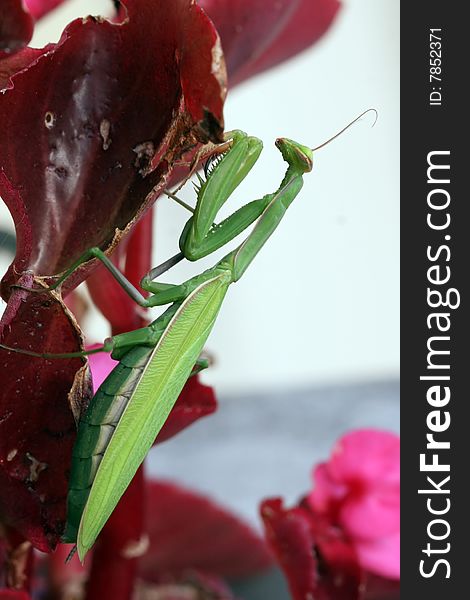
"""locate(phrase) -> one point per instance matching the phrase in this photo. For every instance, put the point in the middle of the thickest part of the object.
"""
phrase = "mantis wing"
(150, 404)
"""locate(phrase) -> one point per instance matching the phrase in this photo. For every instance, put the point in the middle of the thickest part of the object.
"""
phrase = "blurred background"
(307, 343)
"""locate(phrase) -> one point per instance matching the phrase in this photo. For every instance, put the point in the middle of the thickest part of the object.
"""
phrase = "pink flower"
(358, 489)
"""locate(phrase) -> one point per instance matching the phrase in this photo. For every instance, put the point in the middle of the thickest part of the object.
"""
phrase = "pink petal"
(326, 491)
(381, 556)
(368, 456)
(371, 516)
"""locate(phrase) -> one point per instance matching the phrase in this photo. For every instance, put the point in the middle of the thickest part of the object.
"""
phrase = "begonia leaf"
(379, 588)
(115, 104)
(38, 400)
(16, 26)
(188, 531)
(259, 34)
(14, 595)
(316, 560)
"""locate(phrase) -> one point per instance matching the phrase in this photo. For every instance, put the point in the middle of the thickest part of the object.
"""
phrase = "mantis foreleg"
(222, 179)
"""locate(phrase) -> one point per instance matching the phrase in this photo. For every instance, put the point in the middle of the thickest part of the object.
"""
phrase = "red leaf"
(16, 26)
(378, 588)
(187, 531)
(37, 428)
(258, 34)
(122, 103)
(289, 536)
(317, 562)
(119, 108)
(14, 595)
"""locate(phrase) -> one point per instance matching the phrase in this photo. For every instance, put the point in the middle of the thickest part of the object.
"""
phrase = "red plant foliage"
(16, 26)
(82, 158)
(318, 558)
(121, 105)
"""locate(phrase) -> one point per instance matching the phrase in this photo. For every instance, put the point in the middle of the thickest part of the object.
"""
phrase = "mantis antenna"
(347, 127)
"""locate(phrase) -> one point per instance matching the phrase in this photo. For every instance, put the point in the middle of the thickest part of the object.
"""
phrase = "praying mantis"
(132, 404)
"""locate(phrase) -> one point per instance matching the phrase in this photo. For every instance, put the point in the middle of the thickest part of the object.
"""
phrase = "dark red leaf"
(11, 64)
(14, 595)
(120, 106)
(187, 531)
(37, 427)
(316, 560)
(378, 588)
(289, 536)
(84, 159)
(258, 34)
(191, 544)
(16, 26)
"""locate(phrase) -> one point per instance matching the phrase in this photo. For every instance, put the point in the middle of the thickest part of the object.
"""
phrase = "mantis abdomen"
(129, 410)
(96, 428)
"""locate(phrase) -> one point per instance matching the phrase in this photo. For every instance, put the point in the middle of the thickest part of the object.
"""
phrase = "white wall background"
(320, 303)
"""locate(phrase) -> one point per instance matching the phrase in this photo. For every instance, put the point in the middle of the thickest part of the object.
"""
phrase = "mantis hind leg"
(90, 254)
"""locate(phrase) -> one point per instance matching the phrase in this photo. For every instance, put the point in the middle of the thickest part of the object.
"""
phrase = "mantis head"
(295, 154)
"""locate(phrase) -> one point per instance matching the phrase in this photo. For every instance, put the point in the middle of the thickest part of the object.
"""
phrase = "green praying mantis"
(132, 404)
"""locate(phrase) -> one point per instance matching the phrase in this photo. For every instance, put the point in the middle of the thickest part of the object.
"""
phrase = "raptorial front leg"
(223, 176)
